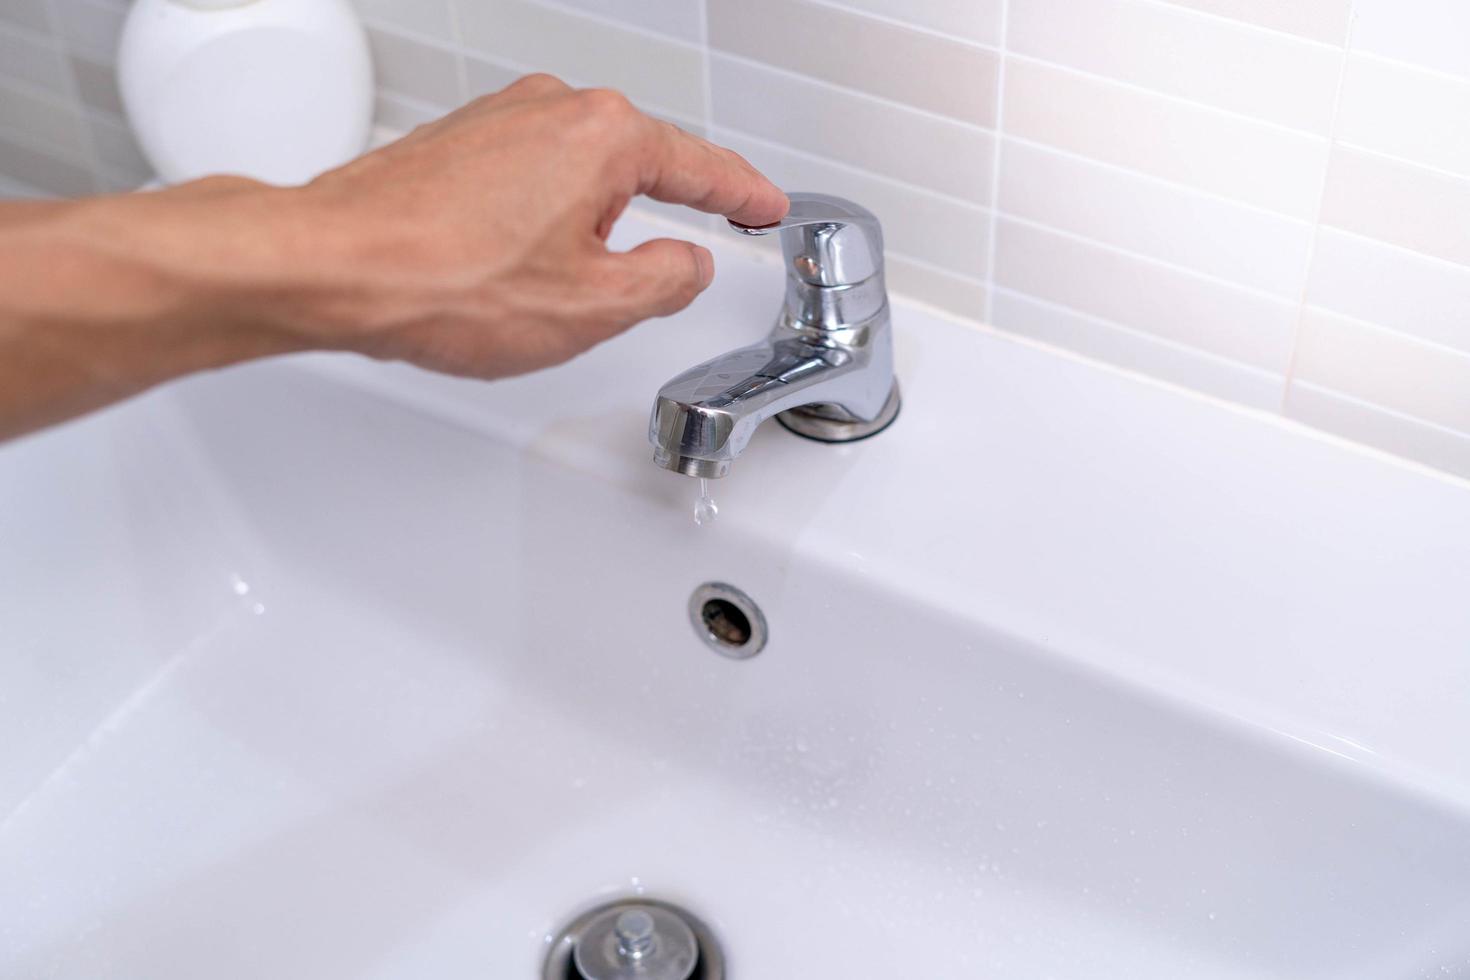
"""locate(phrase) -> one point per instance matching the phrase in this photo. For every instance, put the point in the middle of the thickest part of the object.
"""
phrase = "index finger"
(679, 168)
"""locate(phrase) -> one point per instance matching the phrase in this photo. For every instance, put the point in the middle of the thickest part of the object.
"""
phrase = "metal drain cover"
(635, 939)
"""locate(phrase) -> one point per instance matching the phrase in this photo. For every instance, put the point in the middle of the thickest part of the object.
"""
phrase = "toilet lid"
(257, 90)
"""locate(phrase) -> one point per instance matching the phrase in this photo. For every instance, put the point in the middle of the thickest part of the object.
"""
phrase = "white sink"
(326, 668)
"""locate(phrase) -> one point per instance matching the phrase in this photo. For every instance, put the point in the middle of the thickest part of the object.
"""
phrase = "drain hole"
(727, 620)
(635, 939)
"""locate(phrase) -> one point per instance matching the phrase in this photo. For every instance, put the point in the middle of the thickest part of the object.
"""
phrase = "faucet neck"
(832, 308)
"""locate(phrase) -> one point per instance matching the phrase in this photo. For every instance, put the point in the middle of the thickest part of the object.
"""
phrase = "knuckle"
(539, 82)
(607, 104)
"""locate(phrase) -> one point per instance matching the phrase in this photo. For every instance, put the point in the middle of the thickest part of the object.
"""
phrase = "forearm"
(105, 297)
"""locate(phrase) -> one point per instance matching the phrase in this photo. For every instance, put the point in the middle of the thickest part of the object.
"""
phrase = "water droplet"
(705, 510)
(240, 586)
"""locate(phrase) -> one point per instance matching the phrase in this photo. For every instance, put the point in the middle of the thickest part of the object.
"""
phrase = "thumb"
(662, 276)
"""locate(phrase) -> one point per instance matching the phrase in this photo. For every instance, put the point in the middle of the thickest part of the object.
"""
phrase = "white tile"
(429, 18)
(1385, 368)
(945, 234)
(1178, 52)
(917, 68)
(971, 20)
(1371, 425)
(1430, 33)
(1165, 221)
(1391, 287)
(1143, 295)
(932, 152)
(1189, 144)
(421, 71)
(960, 295)
(677, 18)
(1399, 202)
(1136, 351)
(48, 121)
(651, 71)
(1419, 115)
(1320, 20)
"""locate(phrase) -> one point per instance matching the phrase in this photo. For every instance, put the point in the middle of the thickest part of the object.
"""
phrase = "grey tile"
(485, 77)
(43, 171)
(12, 190)
(676, 18)
(117, 150)
(400, 115)
(34, 61)
(430, 18)
(90, 27)
(421, 71)
(659, 73)
(37, 118)
(96, 83)
(30, 14)
(875, 56)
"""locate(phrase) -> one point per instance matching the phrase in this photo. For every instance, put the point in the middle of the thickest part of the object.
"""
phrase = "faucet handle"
(828, 241)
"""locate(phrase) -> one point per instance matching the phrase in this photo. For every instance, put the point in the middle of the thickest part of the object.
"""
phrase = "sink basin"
(327, 668)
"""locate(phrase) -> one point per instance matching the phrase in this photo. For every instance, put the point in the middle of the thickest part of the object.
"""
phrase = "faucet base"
(829, 423)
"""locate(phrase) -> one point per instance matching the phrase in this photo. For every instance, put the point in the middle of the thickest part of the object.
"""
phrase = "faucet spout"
(826, 369)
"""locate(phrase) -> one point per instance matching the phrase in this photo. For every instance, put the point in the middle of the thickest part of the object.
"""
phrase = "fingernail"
(706, 263)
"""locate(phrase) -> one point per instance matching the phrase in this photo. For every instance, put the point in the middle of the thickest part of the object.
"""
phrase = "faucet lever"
(827, 241)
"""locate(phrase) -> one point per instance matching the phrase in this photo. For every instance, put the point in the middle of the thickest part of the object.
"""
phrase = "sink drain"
(635, 939)
(727, 620)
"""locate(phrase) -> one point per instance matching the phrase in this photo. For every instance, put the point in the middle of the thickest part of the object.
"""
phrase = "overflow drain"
(635, 939)
(727, 620)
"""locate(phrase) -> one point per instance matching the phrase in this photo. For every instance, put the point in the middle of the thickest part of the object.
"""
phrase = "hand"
(476, 245)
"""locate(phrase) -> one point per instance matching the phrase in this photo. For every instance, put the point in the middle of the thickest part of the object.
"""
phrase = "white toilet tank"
(278, 90)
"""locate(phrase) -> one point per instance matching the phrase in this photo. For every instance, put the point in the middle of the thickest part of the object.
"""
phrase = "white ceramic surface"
(326, 668)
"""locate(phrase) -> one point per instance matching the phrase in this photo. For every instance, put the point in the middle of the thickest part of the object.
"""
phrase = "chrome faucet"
(825, 371)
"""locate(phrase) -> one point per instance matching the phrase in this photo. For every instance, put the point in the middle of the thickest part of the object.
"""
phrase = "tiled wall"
(1266, 200)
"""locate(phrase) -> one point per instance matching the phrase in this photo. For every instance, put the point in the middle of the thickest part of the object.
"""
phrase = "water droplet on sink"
(705, 510)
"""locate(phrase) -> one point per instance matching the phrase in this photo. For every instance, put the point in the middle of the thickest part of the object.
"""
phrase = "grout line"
(612, 22)
(854, 92)
(909, 25)
(1143, 257)
(1174, 185)
(1393, 413)
(1311, 257)
(1448, 264)
(1242, 24)
(1440, 73)
(704, 64)
(1170, 97)
(980, 209)
(1137, 332)
(1405, 161)
(995, 160)
(973, 127)
(456, 35)
(1438, 347)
